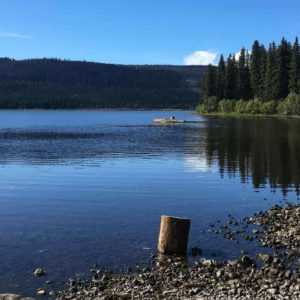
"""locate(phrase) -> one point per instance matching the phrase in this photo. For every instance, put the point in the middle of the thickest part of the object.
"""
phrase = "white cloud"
(201, 58)
(14, 35)
(238, 54)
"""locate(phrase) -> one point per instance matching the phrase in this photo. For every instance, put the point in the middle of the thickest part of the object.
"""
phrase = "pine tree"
(258, 69)
(262, 72)
(210, 82)
(221, 76)
(231, 89)
(243, 78)
(271, 83)
(266, 74)
(294, 73)
(284, 60)
(255, 68)
(248, 74)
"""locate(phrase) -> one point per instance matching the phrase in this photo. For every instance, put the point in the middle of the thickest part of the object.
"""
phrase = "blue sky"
(142, 31)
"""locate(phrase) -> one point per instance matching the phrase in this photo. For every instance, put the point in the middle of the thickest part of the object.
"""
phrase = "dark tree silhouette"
(53, 83)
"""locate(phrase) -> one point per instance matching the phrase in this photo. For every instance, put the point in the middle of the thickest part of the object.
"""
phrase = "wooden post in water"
(173, 235)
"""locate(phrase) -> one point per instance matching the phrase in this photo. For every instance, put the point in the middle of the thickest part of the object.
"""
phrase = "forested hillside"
(264, 80)
(53, 83)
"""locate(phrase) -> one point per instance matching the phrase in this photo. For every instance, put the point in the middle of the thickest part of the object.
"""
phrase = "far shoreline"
(241, 116)
(98, 109)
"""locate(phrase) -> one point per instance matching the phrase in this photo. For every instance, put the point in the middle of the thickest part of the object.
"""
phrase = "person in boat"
(172, 118)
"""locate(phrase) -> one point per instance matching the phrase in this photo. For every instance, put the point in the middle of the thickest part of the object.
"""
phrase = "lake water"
(85, 187)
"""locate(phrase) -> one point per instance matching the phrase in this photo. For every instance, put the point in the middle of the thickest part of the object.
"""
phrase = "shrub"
(241, 107)
(208, 105)
(253, 107)
(290, 105)
(269, 108)
(226, 106)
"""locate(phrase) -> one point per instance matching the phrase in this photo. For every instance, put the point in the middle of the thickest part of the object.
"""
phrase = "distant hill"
(53, 83)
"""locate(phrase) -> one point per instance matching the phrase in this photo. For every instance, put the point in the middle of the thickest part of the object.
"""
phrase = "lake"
(80, 188)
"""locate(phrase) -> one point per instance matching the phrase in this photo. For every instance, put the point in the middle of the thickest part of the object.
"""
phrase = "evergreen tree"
(221, 77)
(258, 69)
(294, 73)
(243, 78)
(265, 74)
(210, 82)
(248, 64)
(231, 85)
(271, 83)
(284, 60)
(262, 73)
(255, 69)
(248, 90)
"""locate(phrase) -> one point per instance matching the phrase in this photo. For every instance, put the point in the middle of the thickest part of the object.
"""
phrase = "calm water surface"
(85, 187)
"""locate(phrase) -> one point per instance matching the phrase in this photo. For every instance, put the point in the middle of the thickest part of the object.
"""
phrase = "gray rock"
(41, 292)
(38, 272)
(246, 261)
(265, 258)
(10, 297)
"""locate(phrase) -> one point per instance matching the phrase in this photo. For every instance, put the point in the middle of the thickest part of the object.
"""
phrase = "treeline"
(54, 83)
(266, 75)
(288, 106)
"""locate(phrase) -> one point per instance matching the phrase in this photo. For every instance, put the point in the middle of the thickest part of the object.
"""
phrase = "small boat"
(171, 120)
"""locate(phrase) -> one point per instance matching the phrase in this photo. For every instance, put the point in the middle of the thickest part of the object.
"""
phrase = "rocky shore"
(208, 279)
(265, 276)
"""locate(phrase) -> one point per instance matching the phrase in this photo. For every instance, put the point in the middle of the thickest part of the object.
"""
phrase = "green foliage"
(294, 72)
(209, 85)
(208, 105)
(241, 107)
(243, 82)
(248, 107)
(269, 107)
(271, 83)
(226, 106)
(231, 80)
(221, 78)
(290, 105)
(257, 68)
(284, 61)
(63, 84)
(265, 74)
(253, 107)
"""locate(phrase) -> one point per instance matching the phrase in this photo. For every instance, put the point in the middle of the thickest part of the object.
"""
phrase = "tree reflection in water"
(264, 150)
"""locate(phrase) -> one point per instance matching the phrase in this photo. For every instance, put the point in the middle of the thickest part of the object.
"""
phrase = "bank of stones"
(263, 277)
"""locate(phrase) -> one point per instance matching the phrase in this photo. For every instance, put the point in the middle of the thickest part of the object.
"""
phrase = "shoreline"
(266, 276)
(237, 115)
(271, 274)
(98, 109)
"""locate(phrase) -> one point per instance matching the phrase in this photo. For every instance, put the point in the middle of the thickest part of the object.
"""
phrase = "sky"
(142, 31)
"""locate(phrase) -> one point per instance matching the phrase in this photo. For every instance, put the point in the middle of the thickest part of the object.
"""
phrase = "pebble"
(10, 297)
(277, 277)
(41, 292)
(38, 272)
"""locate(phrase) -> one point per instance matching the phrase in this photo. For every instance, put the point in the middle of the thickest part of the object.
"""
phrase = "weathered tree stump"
(173, 235)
